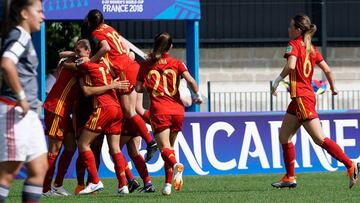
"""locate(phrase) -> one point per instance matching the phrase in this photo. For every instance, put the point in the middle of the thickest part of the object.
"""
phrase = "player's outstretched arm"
(89, 90)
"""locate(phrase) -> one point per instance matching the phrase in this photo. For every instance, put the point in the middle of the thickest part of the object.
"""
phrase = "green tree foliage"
(60, 36)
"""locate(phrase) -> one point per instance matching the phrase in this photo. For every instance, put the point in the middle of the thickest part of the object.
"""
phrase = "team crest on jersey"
(288, 49)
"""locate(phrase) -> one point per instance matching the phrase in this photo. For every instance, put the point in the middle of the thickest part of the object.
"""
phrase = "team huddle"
(107, 79)
(99, 93)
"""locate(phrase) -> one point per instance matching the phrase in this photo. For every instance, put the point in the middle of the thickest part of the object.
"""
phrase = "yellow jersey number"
(307, 66)
(167, 72)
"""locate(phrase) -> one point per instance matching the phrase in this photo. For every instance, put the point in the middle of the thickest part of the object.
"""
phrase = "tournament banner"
(246, 143)
(123, 9)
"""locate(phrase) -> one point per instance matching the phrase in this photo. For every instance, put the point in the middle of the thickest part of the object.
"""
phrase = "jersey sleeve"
(182, 67)
(15, 46)
(291, 49)
(318, 56)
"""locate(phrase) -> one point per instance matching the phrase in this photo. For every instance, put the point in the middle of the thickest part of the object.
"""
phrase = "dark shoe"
(151, 150)
(133, 185)
(149, 188)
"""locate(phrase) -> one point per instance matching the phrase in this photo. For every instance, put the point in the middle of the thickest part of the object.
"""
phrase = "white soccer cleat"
(178, 181)
(124, 190)
(92, 187)
(166, 189)
(60, 191)
(50, 193)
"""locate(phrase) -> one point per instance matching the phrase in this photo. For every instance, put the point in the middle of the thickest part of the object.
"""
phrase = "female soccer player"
(160, 75)
(301, 58)
(22, 138)
(112, 47)
(106, 118)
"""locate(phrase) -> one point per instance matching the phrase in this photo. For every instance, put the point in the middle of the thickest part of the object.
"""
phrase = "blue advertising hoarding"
(123, 9)
(247, 143)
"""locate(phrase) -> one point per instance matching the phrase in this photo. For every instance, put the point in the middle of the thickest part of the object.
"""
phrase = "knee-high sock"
(168, 156)
(4, 193)
(50, 172)
(146, 116)
(128, 173)
(168, 173)
(140, 166)
(80, 172)
(334, 150)
(119, 169)
(31, 193)
(64, 162)
(289, 158)
(138, 123)
(97, 153)
(88, 159)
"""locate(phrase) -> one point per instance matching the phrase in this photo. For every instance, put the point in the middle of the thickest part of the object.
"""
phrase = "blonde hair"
(308, 30)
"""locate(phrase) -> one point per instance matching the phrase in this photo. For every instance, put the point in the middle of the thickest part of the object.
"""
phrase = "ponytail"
(162, 44)
(308, 30)
(308, 35)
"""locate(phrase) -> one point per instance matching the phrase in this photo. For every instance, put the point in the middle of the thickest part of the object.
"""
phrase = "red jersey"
(117, 56)
(162, 82)
(301, 76)
(63, 93)
(99, 76)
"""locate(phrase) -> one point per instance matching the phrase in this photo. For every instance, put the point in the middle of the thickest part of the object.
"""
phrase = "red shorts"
(163, 121)
(303, 108)
(129, 72)
(128, 130)
(57, 126)
(107, 120)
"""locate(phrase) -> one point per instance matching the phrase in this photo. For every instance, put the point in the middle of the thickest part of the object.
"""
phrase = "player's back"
(162, 82)
(108, 33)
(301, 77)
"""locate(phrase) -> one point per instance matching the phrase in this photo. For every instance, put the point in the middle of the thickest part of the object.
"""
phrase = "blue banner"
(123, 9)
(247, 143)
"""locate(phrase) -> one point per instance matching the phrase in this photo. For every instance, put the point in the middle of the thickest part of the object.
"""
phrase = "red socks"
(146, 116)
(138, 123)
(168, 173)
(89, 160)
(168, 156)
(65, 160)
(335, 151)
(140, 166)
(289, 158)
(80, 172)
(128, 173)
(50, 172)
(118, 160)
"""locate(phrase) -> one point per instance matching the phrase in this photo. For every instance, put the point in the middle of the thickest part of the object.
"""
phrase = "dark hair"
(12, 10)
(162, 44)
(308, 30)
(94, 18)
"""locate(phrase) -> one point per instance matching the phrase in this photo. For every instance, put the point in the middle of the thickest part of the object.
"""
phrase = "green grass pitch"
(312, 187)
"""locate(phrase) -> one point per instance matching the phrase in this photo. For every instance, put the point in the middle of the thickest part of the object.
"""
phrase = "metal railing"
(255, 101)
